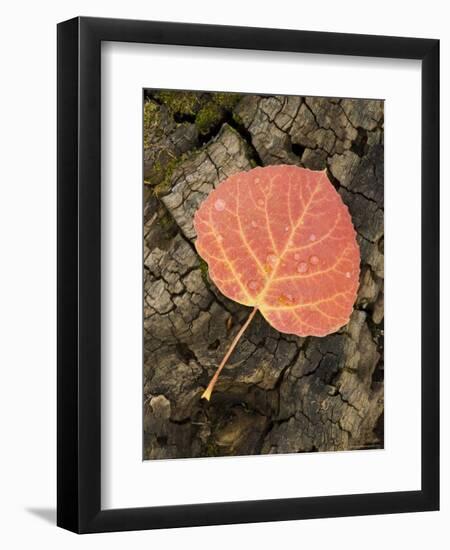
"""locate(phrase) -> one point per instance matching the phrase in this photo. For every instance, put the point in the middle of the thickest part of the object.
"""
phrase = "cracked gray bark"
(279, 393)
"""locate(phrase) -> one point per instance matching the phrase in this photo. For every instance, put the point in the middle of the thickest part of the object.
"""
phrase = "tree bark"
(278, 393)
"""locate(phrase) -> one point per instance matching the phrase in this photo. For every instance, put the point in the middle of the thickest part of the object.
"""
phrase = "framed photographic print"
(248, 256)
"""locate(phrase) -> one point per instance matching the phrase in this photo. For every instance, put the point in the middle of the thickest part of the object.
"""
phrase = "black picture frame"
(79, 280)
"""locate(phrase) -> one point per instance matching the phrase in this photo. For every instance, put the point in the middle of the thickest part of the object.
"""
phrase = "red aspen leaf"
(280, 239)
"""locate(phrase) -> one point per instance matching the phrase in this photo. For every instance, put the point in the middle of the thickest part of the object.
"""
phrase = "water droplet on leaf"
(253, 285)
(314, 260)
(302, 267)
(312, 237)
(285, 299)
(219, 205)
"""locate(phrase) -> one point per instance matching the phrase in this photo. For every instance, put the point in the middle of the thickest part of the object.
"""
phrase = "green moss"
(151, 119)
(208, 109)
(211, 448)
(150, 109)
(185, 103)
(164, 175)
(225, 99)
(238, 119)
(167, 223)
(204, 270)
(208, 116)
(165, 172)
(189, 103)
(213, 111)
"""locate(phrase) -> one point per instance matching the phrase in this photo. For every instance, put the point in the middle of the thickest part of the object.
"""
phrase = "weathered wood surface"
(279, 393)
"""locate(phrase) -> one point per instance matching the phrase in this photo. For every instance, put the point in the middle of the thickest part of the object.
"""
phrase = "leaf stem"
(207, 393)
